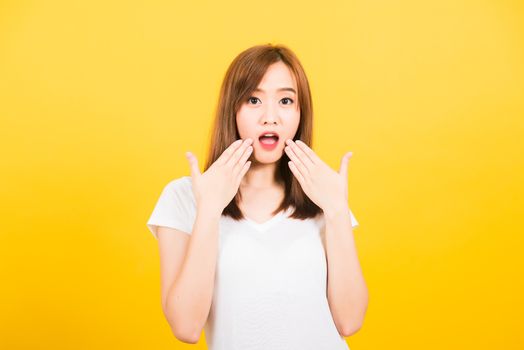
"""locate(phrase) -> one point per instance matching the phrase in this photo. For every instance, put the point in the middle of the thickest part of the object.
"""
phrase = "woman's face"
(273, 107)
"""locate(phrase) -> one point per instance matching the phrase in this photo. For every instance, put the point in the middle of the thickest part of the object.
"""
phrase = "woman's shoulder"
(180, 182)
(182, 187)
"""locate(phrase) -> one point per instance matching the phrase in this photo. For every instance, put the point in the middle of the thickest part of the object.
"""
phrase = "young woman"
(258, 250)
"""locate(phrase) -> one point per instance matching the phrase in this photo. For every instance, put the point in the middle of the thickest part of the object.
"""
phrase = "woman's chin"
(269, 158)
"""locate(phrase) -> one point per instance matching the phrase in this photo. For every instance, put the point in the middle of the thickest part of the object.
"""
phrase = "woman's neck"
(261, 177)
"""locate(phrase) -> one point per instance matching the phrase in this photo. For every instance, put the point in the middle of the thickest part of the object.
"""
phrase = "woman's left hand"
(324, 186)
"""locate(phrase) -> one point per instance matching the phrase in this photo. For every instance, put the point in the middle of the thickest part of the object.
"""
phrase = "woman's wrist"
(209, 211)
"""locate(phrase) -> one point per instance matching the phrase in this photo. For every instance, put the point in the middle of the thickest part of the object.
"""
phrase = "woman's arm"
(347, 290)
(187, 301)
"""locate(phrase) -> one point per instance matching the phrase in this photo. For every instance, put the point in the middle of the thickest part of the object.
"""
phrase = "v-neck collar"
(264, 226)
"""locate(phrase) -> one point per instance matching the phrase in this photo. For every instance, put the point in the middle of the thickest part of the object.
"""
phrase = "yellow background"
(100, 100)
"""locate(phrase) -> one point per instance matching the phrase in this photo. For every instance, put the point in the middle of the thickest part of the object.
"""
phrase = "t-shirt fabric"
(270, 281)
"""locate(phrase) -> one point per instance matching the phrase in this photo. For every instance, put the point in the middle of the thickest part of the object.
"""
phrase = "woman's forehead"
(278, 76)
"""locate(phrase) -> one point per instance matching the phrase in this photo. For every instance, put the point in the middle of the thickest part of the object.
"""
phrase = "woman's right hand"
(218, 185)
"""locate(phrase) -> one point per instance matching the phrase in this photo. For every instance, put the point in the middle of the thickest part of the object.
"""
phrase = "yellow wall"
(99, 101)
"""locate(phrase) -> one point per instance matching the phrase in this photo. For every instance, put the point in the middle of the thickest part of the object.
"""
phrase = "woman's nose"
(270, 113)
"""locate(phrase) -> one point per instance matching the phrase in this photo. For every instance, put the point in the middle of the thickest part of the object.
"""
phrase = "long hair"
(241, 79)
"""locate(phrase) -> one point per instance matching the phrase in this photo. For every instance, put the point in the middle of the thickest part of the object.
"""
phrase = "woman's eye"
(252, 99)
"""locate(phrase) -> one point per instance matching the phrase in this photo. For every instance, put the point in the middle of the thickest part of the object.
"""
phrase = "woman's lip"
(270, 146)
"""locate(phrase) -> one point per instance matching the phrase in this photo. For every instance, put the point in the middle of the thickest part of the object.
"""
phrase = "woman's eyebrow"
(280, 89)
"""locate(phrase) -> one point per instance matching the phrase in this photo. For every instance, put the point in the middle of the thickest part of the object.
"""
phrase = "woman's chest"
(287, 257)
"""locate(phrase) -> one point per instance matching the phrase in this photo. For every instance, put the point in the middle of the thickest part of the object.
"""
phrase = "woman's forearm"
(189, 298)
(347, 291)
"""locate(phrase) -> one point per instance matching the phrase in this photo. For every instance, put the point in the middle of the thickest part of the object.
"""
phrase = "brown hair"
(241, 79)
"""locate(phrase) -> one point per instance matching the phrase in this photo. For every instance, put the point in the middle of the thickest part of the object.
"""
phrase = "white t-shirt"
(270, 282)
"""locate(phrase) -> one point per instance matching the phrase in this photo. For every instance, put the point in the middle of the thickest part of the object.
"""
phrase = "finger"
(193, 164)
(308, 153)
(297, 161)
(238, 153)
(224, 157)
(344, 164)
(296, 173)
(245, 156)
(243, 172)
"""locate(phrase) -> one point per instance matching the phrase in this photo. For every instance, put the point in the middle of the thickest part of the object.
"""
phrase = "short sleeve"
(175, 208)
(354, 222)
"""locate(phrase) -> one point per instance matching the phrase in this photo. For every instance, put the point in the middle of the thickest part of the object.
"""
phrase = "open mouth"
(268, 140)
